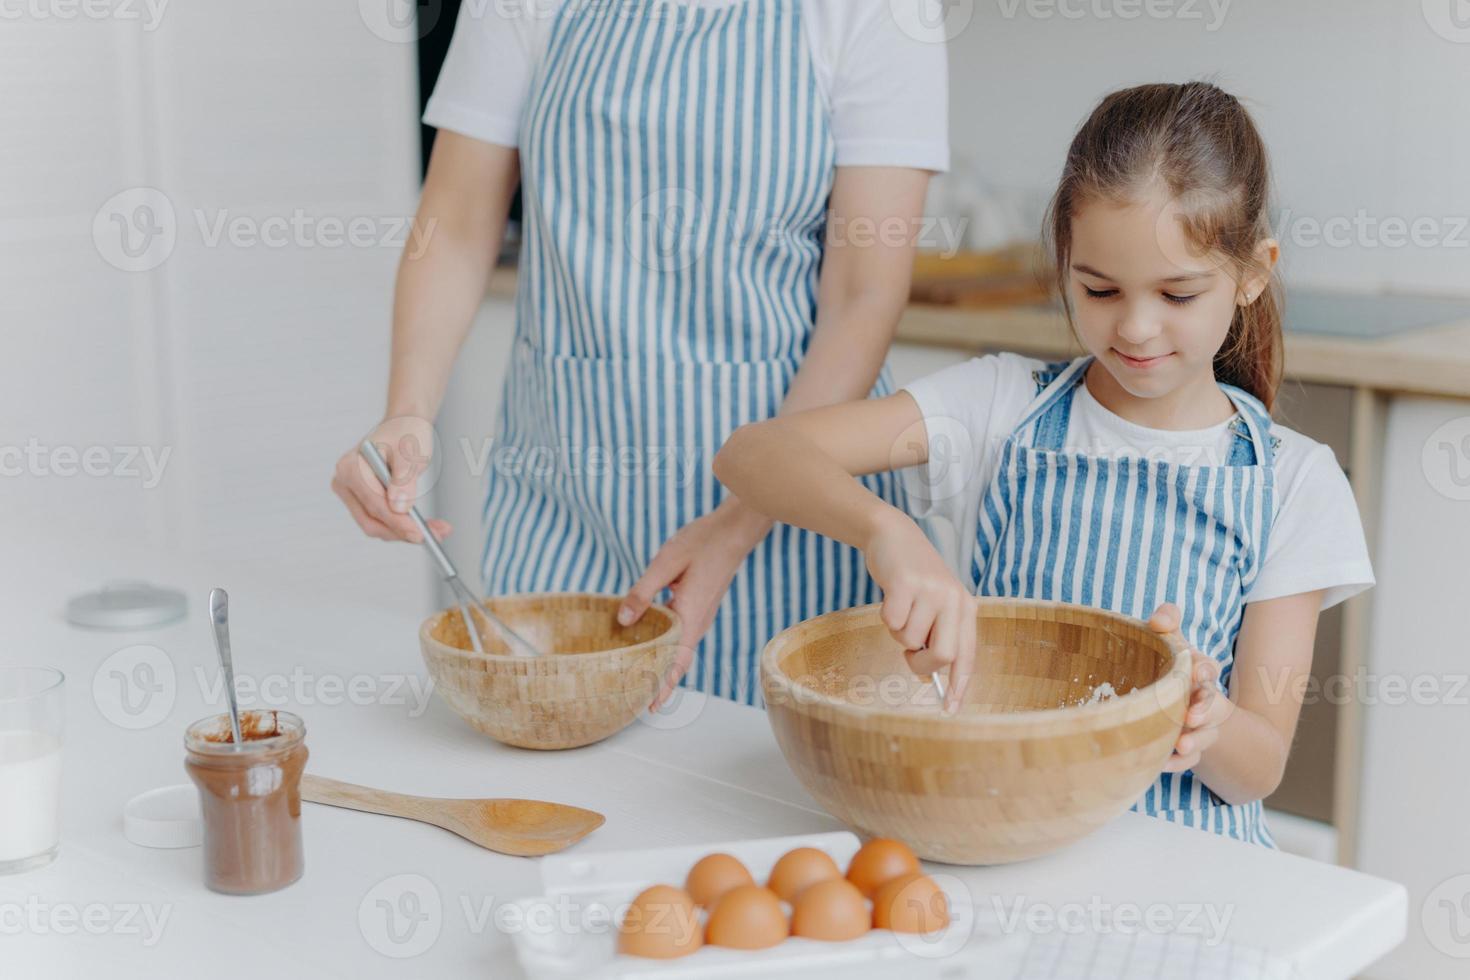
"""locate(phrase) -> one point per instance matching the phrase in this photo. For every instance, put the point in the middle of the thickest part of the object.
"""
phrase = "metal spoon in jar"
(219, 617)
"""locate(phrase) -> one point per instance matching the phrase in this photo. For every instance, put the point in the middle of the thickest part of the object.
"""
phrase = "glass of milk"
(31, 713)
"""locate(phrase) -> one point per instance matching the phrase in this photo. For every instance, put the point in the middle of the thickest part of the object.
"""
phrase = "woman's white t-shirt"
(884, 79)
(969, 409)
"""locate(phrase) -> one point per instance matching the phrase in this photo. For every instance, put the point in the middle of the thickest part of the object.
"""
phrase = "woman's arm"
(463, 212)
(441, 283)
(872, 224)
(872, 221)
(873, 216)
(1246, 756)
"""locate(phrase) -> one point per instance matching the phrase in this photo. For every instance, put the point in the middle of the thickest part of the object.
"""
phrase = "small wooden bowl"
(1026, 767)
(593, 679)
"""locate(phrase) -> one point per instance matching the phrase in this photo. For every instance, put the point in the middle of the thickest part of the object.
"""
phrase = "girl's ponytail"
(1251, 357)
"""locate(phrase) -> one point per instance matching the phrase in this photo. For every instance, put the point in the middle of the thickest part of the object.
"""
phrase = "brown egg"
(660, 924)
(832, 910)
(879, 860)
(911, 903)
(714, 875)
(747, 917)
(799, 868)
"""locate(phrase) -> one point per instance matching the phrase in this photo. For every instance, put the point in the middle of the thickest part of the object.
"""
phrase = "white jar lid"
(165, 817)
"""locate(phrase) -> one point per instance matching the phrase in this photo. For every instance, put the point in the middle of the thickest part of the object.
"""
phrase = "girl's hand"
(925, 607)
(1208, 706)
(407, 445)
(697, 564)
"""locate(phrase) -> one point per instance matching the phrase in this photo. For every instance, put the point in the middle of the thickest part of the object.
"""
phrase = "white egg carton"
(570, 930)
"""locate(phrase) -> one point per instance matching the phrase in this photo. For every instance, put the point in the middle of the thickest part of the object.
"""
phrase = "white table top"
(719, 777)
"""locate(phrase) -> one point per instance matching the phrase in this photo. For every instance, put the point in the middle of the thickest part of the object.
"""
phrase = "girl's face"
(1151, 309)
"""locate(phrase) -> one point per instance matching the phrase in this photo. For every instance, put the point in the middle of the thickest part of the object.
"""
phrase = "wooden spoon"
(524, 828)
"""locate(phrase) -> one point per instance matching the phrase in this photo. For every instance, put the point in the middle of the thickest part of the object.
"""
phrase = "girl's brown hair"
(1198, 143)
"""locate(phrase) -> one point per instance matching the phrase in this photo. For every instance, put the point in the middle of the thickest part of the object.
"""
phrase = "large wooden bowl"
(1026, 767)
(593, 680)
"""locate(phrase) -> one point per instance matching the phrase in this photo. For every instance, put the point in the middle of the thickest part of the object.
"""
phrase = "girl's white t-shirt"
(969, 409)
(884, 77)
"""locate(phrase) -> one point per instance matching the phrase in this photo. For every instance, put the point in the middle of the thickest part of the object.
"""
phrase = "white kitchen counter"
(719, 777)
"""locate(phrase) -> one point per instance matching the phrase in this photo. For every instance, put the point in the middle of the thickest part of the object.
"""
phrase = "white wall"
(253, 366)
(1362, 104)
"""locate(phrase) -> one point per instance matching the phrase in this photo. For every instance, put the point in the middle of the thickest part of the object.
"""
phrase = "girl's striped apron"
(1128, 534)
(676, 164)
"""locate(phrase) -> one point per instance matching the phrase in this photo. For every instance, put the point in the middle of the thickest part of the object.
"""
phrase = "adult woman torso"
(719, 206)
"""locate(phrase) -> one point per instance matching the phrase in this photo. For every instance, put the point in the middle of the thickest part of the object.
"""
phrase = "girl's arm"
(1243, 755)
(802, 469)
(442, 277)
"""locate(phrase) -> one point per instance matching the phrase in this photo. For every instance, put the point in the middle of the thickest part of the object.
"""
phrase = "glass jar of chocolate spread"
(250, 796)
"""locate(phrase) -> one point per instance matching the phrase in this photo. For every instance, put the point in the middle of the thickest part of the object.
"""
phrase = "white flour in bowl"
(1101, 693)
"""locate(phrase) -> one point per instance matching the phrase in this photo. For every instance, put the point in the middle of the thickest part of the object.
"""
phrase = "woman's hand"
(925, 607)
(697, 565)
(407, 445)
(1208, 705)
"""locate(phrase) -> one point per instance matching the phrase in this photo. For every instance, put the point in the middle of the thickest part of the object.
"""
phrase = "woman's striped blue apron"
(676, 164)
(1128, 534)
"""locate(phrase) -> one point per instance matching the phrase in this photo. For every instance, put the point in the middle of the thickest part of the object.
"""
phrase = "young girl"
(1145, 477)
